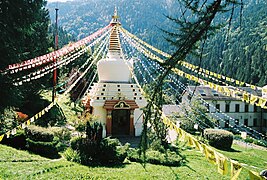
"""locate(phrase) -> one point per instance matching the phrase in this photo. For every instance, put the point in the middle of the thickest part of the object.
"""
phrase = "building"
(242, 113)
(114, 100)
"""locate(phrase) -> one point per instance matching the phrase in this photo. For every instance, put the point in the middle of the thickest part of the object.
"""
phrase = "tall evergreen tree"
(24, 35)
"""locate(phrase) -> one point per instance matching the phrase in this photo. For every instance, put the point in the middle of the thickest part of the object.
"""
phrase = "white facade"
(242, 113)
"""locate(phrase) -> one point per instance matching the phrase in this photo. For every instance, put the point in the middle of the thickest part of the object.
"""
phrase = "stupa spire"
(114, 50)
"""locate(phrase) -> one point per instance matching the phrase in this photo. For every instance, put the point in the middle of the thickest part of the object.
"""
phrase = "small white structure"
(115, 101)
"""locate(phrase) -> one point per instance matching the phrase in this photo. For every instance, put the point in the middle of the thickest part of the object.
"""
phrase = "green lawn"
(23, 165)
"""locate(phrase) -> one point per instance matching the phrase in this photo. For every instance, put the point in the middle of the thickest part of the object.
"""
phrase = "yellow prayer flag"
(1, 137)
(253, 87)
(262, 102)
(197, 144)
(210, 154)
(28, 122)
(222, 163)
(255, 176)
(253, 99)
(190, 141)
(235, 169)
(246, 97)
(228, 79)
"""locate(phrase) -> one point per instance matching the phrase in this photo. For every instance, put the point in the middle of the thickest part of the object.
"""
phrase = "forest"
(237, 51)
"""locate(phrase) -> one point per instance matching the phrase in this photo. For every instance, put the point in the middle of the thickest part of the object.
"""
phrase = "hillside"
(241, 57)
(16, 164)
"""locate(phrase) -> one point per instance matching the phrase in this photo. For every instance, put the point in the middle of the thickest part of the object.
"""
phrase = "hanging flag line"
(211, 155)
(191, 66)
(146, 68)
(217, 117)
(228, 91)
(50, 68)
(28, 64)
(86, 70)
(186, 115)
(188, 76)
(99, 49)
(27, 122)
(45, 110)
(42, 112)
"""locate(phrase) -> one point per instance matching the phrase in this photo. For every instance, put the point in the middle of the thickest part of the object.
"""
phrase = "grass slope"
(17, 164)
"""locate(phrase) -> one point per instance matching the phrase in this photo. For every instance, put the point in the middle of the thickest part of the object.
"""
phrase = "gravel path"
(249, 145)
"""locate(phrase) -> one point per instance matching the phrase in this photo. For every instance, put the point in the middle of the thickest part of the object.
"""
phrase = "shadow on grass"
(230, 150)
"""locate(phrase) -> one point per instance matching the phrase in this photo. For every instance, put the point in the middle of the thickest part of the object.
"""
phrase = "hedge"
(219, 138)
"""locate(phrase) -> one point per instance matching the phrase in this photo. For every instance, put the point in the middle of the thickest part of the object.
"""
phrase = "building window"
(226, 125)
(246, 122)
(97, 98)
(255, 122)
(104, 85)
(237, 108)
(236, 121)
(217, 107)
(255, 108)
(227, 107)
(135, 94)
(246, 107)
(119, 89)
(103, 89)
(133, 89)
(131, 85)
(264, 123)
(102, 94)
(134, 98)
(104, 98)
(215, 93)
(140, 98)
(118, 86)
(202, 92)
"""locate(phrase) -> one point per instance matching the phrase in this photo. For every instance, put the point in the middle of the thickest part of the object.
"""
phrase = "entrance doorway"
(121, 122)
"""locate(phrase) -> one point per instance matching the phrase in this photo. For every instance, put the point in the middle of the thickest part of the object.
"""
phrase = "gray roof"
(209, 94)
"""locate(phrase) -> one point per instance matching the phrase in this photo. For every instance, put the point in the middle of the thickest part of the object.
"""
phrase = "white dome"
(113, 70)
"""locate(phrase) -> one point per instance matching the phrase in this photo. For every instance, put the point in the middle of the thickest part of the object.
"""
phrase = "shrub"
(112, 152)
(47, 141)
(72, 155)
(106, 152)
(219, 138)
(17, 141)
(46, 149)
(36, 133)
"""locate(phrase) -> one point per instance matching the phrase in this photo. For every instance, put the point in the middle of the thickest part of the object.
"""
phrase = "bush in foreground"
(46, 142)
(88, 152)
(219, 138)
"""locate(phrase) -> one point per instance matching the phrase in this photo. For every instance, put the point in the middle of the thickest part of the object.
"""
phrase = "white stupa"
(115, 101)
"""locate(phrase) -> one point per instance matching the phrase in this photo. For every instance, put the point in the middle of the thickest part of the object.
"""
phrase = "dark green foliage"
(55, 117)
(47, 142)
(219, 138)
(112, 152)
(106, 152)
(17, 141)
(36, 133)
(24, 27)
(93, 150)
(46, 149)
